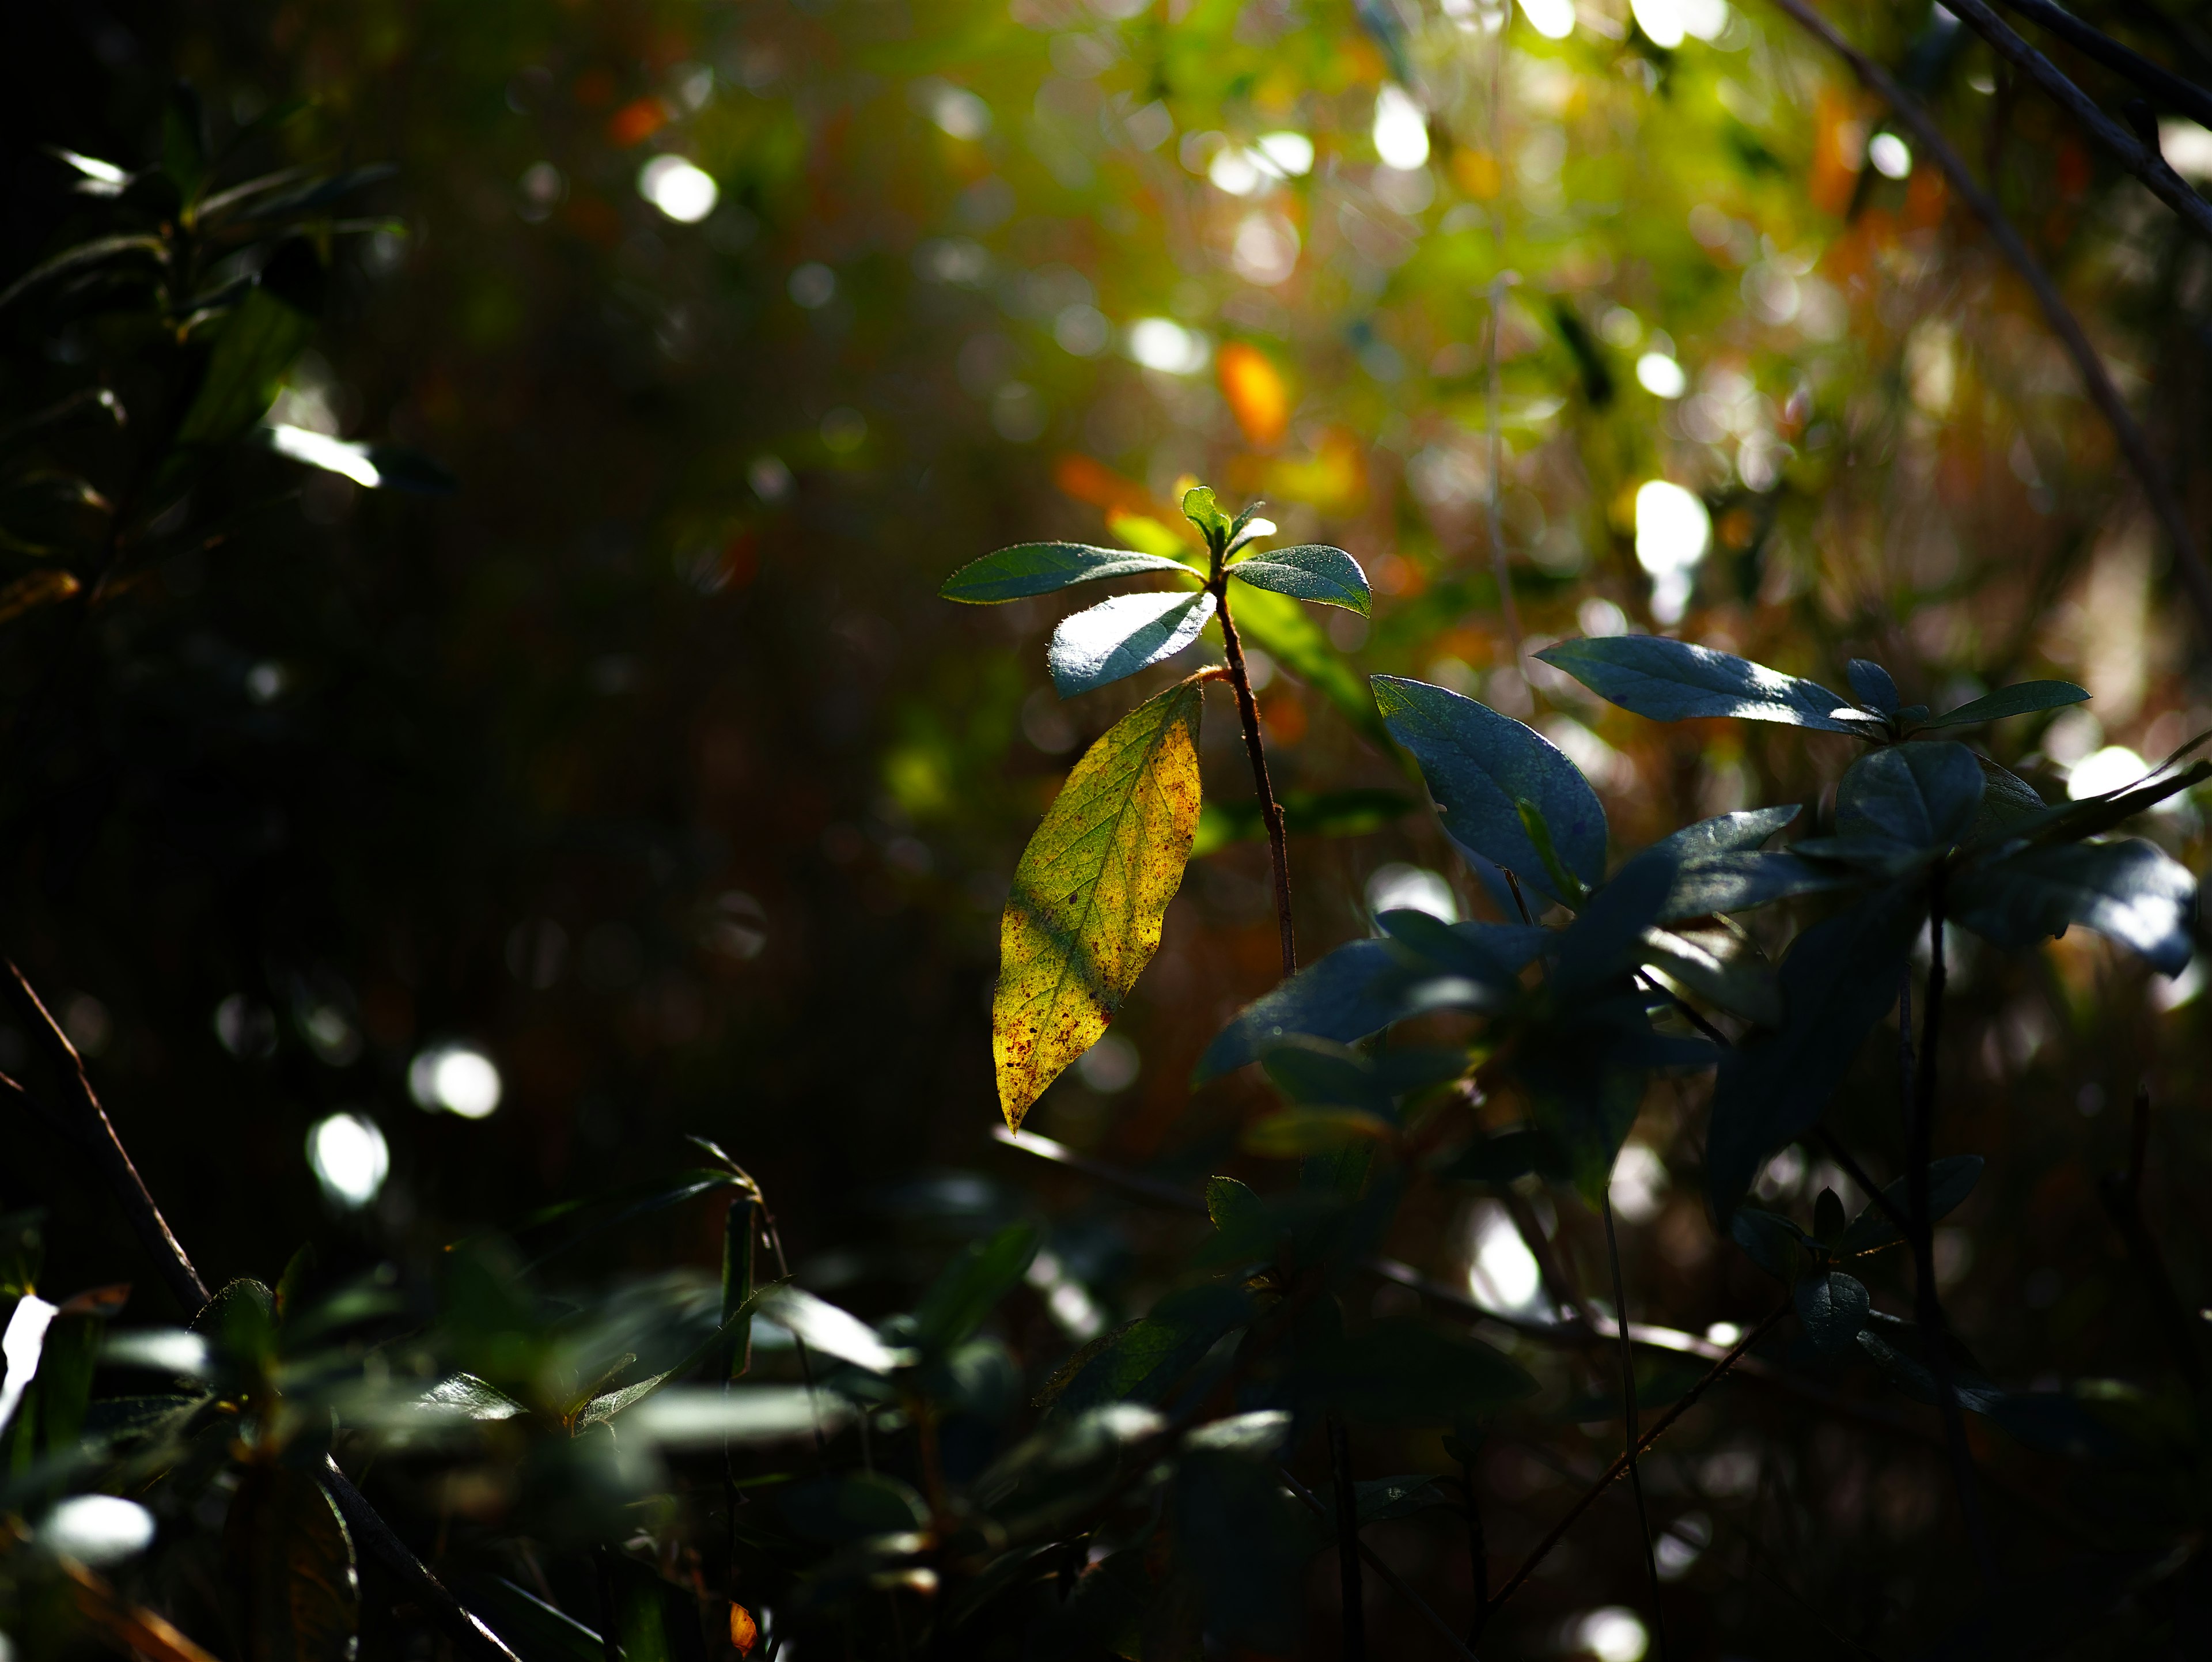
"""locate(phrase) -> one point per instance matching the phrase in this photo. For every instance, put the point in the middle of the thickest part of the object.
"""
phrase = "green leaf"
(1918, 796)
(1950, 1180)
(1401, 1372)
(1727, 973)
(975, 1282)
(1286, 632)
(1027, 569)
(654, 1620)
(2021, 699)
(1562, 882)
(1774, 1244)
(290, 1560)
(1675, 681)
(852, 1506)
(1202, 510)
(1144, 1361)
(1839, 978)
(1296, 1133)
(834, 1332)
(94, 253)
(254, 348)
(1718, 884)
(741, 1228)
(1227, 1201)
(1480, 766)
(1609, 936)
(1310, 571)
(1359, 988)
(1305, 814)
(1116, 638)
(704, 1416)
(1833, 1307)
(1872, 686)
(1724, 833)
(1089, 895)
(1509, 1156)
(2131, 891)
(1493, 954)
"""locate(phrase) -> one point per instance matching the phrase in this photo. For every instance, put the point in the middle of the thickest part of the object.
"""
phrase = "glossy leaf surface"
(1675, 681)
(2021, 699)
(1118, 638)
(1479, 765)
(1027, 569)
(2131, 891)
(1310, 571)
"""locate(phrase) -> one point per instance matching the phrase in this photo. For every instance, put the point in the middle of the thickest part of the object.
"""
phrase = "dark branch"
(2122, 1198)
(1390, 1577)
(97, 1134)
(2195, 577)
(1628, 1423)
(2183, 96)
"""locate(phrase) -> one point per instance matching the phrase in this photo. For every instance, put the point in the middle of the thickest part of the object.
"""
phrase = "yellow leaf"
(1084, 918)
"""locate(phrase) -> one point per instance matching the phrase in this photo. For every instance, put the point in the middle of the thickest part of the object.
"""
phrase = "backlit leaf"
(1084, 918)
(1919, 796)
(1675, 681)
(1310, 571)
(1480, 766)
(1028, 568)
(2131, 891)
(830, 1331)
(1118, 638)
(253, 349)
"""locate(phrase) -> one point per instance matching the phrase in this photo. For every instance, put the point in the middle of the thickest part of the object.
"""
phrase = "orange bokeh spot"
(1088, 480)
(1478, 173)
(1256, 394)
(636, 121)
(744, 1632)
(595, 90)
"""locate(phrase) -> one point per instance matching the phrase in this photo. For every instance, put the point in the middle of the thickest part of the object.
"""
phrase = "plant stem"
(1628, 1422)
(2122, 1198)
(2183, 96)
(1248, 711)
(1390, 1577)
(98, 1135)
(2165, 503)
(1347, 1542)
(1934, 1332)
(1478, 1549)
(1681, 1406)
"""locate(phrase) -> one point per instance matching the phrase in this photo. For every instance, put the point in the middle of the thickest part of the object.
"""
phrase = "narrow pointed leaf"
(1118, 638)
(830, 1331)
(2131, 891)
(1084, 918)
(1726, 833)
(1480, 766)
(971, 1284)
(1310, 571)
(1742, 982)
(1675, 681)
(2021, 699)
(1027, 569)
(1950, 1180)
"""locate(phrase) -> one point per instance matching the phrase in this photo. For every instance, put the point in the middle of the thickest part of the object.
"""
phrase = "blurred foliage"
(646, 767)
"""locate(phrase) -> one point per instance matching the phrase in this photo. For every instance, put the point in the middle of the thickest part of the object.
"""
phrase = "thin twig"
(98, 1135)
(467, 1630)
(1478, 1549)
(2140, 159)
(1624, 1463)
(1390, 1577)
(2184, 96)
(1270, 811)
(1628, 1422)
(1934, 1329)
(2160, 494)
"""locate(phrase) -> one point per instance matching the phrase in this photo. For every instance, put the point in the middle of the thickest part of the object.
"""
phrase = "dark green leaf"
(1950, 1180)
(1871, 684)
(1480, 766)
(1833, 1307)
(1725, 833)
(654, 1620)
(1509, 1156)
(1227, 1201)
(1310, 571)
(741, 1229)
(1286, 632)
(1027, 569)
(2131, 891)
(2008, 800)
(852, 1506)
(1143, 1361)
(1402, 1372)
(1918, 796)
(1674, 681)
(1609, 935)
(1721, 883)
(1776, 1244)
(253, 351)
(96, 253)
(1359, 988)
(1495, 953)
(2018, 700)
(1839, 978)
(1305, 814)
(973, 1282)
(1729, 973)
(1118, 638)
